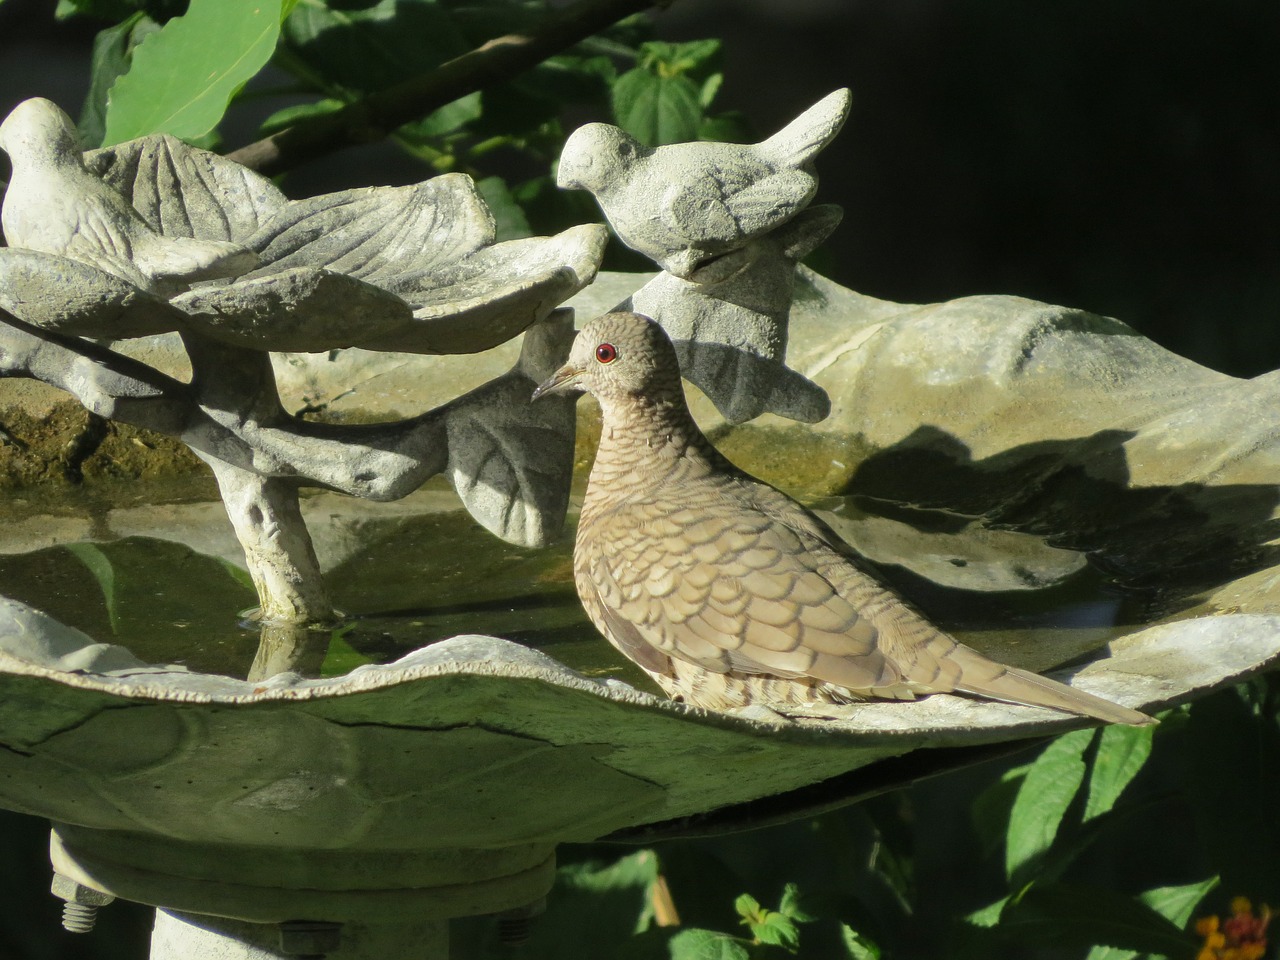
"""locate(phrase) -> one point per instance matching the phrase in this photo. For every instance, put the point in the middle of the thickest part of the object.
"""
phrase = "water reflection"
(422, 570)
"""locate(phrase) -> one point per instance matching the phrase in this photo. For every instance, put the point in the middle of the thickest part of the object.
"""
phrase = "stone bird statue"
(54, 205)
(684, 204)
(726, 591)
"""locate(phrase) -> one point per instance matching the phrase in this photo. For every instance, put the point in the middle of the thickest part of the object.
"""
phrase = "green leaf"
(1085, 917)
(508, 218)
(1177, 904)
(696, 57)
(112, 54)
(183, 77)
(655, 109)
(1047, 790)
(857, 946)
(790, 905)
(1122, 751)
(706, 945)
(748, 907)
(288, 116)
(100, 566)
(362, 47)
(989, 915)
(989, 811)
(776, 930)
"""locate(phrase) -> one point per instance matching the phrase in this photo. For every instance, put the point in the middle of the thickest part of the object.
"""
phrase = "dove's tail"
(986, 678)
(800, 140)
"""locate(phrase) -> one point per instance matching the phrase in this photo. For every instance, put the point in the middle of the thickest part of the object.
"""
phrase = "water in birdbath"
(162, 579)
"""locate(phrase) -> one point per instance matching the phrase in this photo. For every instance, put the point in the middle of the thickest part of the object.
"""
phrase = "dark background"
(1115, 155)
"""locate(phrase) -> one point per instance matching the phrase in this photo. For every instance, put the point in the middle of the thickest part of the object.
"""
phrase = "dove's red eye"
(606, 353)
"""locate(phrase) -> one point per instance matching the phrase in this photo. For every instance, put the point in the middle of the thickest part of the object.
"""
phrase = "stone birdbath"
(985, 446)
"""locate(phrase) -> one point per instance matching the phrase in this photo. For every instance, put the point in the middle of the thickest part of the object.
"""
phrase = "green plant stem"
(374, 116)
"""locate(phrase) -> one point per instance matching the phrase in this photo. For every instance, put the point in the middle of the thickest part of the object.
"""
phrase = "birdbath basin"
(439, 784)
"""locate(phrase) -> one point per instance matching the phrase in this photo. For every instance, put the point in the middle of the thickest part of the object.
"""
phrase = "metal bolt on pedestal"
(80, 911)
(516, 926)
(307, 939)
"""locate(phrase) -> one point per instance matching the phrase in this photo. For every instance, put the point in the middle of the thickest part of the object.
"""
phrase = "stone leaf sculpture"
(727, 223)
(154, 236)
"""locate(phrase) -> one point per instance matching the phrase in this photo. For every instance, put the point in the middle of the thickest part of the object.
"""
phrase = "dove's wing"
(732, 590)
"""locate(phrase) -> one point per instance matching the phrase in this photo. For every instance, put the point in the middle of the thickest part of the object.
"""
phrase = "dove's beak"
(562, 381)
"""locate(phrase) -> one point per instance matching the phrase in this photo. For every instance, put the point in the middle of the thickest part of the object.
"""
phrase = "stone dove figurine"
(684, 204)
(54, 205)
(726, 591)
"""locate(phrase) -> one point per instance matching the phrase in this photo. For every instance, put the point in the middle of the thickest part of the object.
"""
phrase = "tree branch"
(378, 114)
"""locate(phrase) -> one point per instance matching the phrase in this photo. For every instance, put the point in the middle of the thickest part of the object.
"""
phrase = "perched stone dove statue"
(726, 591)
(684, 204)
(54, 205)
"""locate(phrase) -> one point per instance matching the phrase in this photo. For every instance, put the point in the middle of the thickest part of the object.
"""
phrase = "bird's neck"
(645, 442)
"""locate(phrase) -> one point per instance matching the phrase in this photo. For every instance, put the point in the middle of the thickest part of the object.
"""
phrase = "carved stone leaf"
(488, 297)
(71, 297)
(510, 460)
(379, 233)
(302, 310)
(182, 191)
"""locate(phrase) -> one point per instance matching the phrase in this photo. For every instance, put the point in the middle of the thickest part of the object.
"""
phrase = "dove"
(727, 592)
(54, 205)
(684, 204)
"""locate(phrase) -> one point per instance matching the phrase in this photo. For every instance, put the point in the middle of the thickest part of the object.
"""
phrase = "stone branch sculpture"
(154, 237)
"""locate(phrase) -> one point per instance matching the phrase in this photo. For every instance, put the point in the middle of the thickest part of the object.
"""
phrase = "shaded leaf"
(857, 946)
(990, 809)
(298, 112)
(706, 945)
(365, 47)
(104, 574)
(656, 109)
(112, 55)
(790, 904)
(1047, 790)
(1084, 917)
(509, 219)
(1122, 752)
(1175, 904)
(182, 78)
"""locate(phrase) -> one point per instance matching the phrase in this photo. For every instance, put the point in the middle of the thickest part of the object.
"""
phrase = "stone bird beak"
(562, 381)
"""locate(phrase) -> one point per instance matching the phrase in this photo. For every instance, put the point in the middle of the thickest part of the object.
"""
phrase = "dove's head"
(38, 127)
(619, 357)
(595, 156)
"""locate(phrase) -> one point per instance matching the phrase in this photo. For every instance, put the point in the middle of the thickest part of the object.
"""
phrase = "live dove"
(724, 590)
(54, 205)
(684, 204)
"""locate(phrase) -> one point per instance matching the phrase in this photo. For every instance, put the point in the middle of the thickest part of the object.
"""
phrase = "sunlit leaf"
(706, 945)
(1122, 752)
(1175, 904)
(112, 54)
(182, 77)
(1050, 785)
(857, 946)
